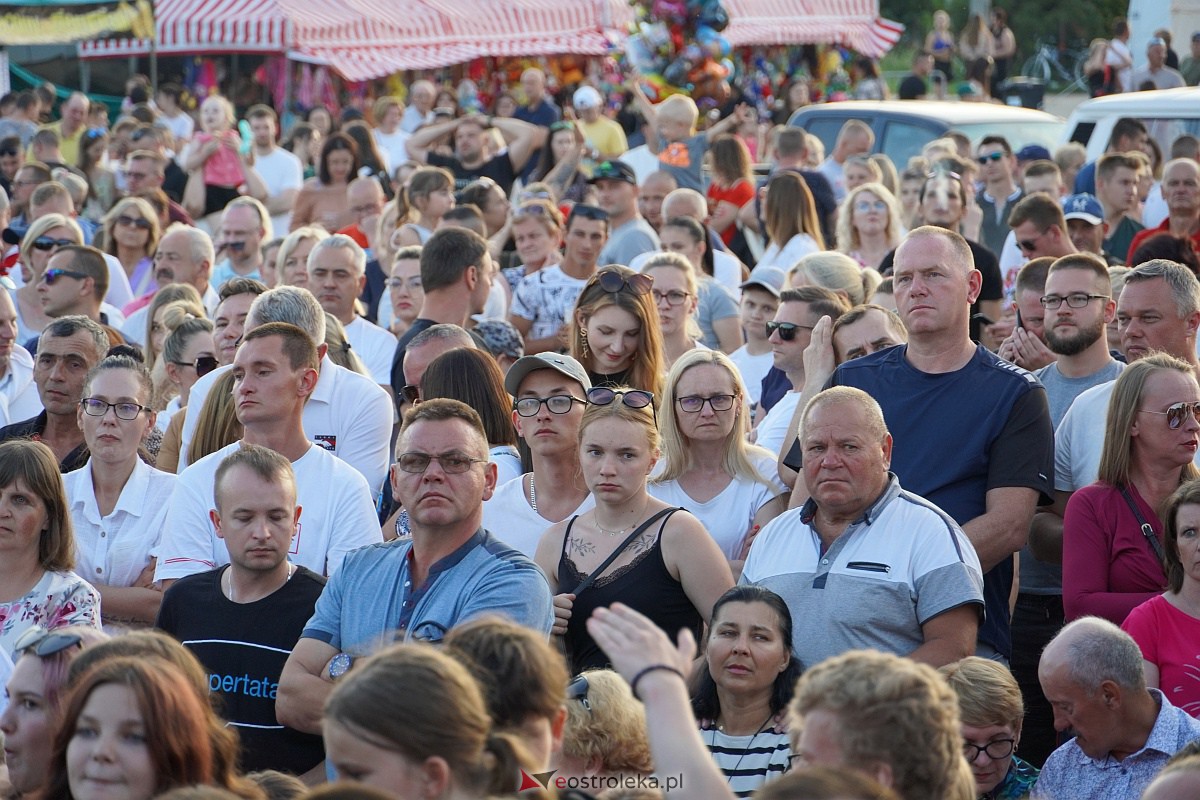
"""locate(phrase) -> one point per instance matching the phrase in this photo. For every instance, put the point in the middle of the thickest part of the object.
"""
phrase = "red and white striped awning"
(853, 23)
(205, 26)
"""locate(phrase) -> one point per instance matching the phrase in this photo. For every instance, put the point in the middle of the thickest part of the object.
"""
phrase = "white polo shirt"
(374, 346)
(508, 516)
(337, 516)
(347, 414)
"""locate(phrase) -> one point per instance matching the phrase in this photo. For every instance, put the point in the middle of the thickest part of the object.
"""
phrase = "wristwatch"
(339, 665)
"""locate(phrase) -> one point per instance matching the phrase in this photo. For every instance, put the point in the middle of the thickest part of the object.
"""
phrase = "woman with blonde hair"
(130, 232)
(991, 711)
(291, 263)
(537, 233)
(166, 388)
(707, 465)
(617, 334)
(605, 732)
(42, 239)
(869, 224)
(861, 169)
(838, 273)
(1112, 528)
(790, 217)
(340, 351)
(675, 295)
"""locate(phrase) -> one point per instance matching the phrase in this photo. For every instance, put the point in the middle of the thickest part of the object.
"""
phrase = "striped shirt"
(749, 761)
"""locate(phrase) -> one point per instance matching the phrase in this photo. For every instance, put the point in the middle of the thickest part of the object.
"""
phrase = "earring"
(587, 356)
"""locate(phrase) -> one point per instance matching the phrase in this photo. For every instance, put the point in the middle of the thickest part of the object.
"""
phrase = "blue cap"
(1085, 207)
(1033, 152)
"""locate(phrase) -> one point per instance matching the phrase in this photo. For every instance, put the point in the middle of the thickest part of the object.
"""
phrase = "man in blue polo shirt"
(972, 432)
(451, 570)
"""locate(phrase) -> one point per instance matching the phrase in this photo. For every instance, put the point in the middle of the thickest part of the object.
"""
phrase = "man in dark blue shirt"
(538, 110)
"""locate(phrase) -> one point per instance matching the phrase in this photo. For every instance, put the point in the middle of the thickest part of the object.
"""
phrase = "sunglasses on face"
(604, 396)
(577, 689)
(8, 153)
(1027, 245)
(134, 222)
(558, 404)
(786, 330)
(411, 393)
(417, 463)
(203, 365)
(612, 282)
(1177, 414)
(52, 275)
(45, 243)
(694, 404)
(992, 157)
(95, 407)
(42, 642)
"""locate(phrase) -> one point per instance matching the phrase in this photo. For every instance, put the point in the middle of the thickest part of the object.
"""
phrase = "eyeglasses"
(1177, 414)
(95, 407)
(45, 643)
(1074, 300)
(588, 212)
(1000, 748)
(694, 404)
(411, 393)
(787, 330)
(417, 463)
(633, 398)
(612, 281)
(577, 689)
(992, 157)
(1027, 245)
(558, 404)
(45, 243)
(412, 283)
(52, 275)
(870, 205)
(203, 365)
(672, 298)
(134, 222)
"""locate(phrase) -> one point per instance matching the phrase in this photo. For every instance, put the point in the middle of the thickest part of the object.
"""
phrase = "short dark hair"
(68, 326)
(1040, 209)
(297, 345)
(822, 301)
(1088, 262)
(1124, 128)
(89, 261)
(236, 286)
(262, 461)
(259, 110)
(443, 408)
(1109, 163)
(1032, 276)
(447, 256)
(1000, 140)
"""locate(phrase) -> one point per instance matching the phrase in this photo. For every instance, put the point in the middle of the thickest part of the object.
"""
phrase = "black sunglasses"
(136, 222)
(45, 243)
(633, 398)
(577, 689)
(787, 330)
(203, 365)
(612, 281)
(411, 393)
(9, 153)
(52, 275)
(588, 212)
(44, 643)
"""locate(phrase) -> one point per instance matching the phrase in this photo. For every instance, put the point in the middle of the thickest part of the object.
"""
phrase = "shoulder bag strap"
(590, 579)
(1147, 528)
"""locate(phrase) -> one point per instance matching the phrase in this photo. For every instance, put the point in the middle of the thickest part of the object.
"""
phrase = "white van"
(1168, 113)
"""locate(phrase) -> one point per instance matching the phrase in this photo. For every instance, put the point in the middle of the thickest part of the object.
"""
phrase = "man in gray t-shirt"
(629, 234)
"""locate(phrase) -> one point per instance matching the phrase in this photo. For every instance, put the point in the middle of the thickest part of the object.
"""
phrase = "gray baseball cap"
(558, 362)
(766, 277)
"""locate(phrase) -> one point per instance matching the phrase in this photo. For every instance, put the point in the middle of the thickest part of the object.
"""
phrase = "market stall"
(855, 24)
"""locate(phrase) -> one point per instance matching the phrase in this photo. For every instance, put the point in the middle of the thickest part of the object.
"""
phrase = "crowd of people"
(524, 464)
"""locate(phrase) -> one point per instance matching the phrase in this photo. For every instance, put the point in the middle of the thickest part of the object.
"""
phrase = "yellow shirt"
(606, 136)
(68, 147)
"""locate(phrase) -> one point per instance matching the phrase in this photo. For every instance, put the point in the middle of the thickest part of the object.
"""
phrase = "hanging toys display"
(677, 47)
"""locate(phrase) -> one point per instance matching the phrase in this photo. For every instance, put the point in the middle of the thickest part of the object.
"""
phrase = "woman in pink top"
(1112, 536)
(1167, 627)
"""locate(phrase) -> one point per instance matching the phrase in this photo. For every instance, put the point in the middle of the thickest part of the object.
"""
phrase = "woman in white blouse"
(118, 503)
(707, 466)
(790, 217)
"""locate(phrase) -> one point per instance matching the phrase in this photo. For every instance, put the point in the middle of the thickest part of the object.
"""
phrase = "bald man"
(727, 270)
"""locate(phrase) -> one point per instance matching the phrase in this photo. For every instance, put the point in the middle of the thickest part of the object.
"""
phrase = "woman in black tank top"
(672, 570)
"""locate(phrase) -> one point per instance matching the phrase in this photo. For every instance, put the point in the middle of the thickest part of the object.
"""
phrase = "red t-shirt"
(739, 194)
(1169, 639)
(1142, 236)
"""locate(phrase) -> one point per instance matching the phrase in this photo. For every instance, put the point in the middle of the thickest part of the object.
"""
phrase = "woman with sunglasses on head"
(869, 224)
(604, 736)
(674, 294)
(1111, 529)
(118, 502)
(742, 685)
(631, 546)
(617, 334)
(42, 240)
(537, 232)
(130, 232)
(708, 467)
(36, 690)
(37, 547)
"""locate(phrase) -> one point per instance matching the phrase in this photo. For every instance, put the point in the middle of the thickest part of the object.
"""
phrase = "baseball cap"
(586, 97)
(1085, 207)
(1156, 41)
(613, 171)
(1033, 152)
(556, 361)
(766, 277)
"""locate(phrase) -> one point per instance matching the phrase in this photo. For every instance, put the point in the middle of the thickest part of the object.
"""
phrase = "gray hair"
(291, 304)
(340, 241)
(850, 395)
(1183, 284)
(1098, 651)
(695, 202)
(200, 246)
(443, 330)
(66, 327)
(264, 218)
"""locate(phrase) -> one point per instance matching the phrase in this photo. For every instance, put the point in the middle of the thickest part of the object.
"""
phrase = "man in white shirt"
(388, 134)
(337, 273)
(281, 172)
(1120, 57)
(275, 372)
(184, 255)
(420, 107)
(18, 393)
(347, 413)
(855, 138)
(1156, 70)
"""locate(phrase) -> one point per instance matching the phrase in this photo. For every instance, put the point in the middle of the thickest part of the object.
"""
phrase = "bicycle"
(1051, 62)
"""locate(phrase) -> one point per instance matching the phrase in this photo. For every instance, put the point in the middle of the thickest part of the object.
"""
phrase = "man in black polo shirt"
(470, 160)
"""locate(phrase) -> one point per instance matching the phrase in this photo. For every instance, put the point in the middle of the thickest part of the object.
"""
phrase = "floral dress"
(57, 600)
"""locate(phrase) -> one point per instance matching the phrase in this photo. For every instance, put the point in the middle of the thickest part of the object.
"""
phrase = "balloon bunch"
(677, 46)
